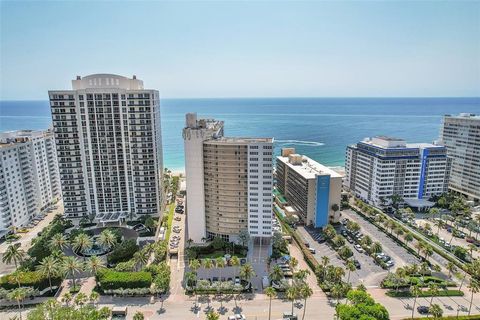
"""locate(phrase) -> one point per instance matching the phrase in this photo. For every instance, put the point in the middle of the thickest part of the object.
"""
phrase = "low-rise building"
(378, 168)
(311, 188)
(29, 177)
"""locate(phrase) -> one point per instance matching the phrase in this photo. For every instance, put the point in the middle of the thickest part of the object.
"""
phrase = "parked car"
(423, 309)
(357, 264)
(358, 248)
(312, 250)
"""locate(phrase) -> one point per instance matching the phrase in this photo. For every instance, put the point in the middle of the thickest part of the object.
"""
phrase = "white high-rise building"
(109, 148)
(461, 135)
(29, 177)
(380, 167)
(229, 182)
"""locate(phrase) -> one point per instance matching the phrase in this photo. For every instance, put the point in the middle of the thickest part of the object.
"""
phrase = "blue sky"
(245, 49)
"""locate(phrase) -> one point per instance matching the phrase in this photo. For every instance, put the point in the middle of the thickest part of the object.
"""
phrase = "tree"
(212, 315)
(140, 259)
(271, 293)
(433, 289)
(49, 267)
(15, 254)
(247, 272)
(94, 297)
(80, 299)
(277, 274)
(194, 264)
(305, 292)
(67, 298)
(337, 292)
(414, 291)
(474, 287)
(244, 237)
(293, 263)
(329, 231)
(408, 237)
(335, 208)
(451, 268)
(436, 311)
(138, 316)
(207, 264)
(81, 243)
(291, 295)
(72, 265)
(59, 242)
(395, 200)
(51, 309)
(376, 247)
(94, 264)
(107, 239)
(18, 295)
(350, 267)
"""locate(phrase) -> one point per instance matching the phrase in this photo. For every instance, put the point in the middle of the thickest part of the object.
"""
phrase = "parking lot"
(399, 254)
(369, 273)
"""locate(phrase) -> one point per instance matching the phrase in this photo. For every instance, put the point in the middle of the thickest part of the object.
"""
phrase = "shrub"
(425, 293)
(122, 252)
(41, 246)
(28, 279)
(110, 280)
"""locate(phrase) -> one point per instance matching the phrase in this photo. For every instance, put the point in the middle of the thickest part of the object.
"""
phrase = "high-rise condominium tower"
(461, 136)
(380, 167)
(229, 182)
(109, 147)
(29, 178)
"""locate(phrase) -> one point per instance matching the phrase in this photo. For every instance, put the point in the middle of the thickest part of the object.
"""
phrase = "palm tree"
(408, 237)
(291, 295)
(48, 267)
(235, 262)
(212, 315)
(305, 292)
(276, 274)
(271, 293)
(82, 243)
(207, 264)
(366, 241)
(14, 253)
(451, 268)
(94, 264)
(59, 242)
(140, 259)
(194, 264)
(414, 291)
(107, 239)
(247, 272)
(293, 263)
(72, 265)
(350, 267)
(376, 247)
(80, 299)
(428, 251)
(138, 316)
(419, 246)
(301, 275)
(18, 295)
(471, 248)
(67, 298)
(94, 297)
(436, 311)
(337, 291)
(433, 289)
(474, 288)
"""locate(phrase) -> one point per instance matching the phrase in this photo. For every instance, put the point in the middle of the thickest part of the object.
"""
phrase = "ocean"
(320, 128)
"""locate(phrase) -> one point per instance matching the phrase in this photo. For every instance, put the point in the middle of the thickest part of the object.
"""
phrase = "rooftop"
(471, 116)
(239, 140)
(106, 80)
(309, 168)
(385, 142)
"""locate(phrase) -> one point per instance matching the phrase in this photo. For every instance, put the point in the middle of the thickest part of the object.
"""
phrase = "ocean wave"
(300, 143)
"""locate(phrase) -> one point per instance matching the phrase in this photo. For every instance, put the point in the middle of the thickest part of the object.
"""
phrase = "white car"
(358, 248)
(237, 317)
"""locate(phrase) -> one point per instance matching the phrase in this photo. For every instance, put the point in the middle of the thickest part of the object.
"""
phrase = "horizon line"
(295, 97)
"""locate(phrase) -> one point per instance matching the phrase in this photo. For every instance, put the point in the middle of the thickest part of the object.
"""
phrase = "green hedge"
(28, 279)
(109, 279)
(425, 293)
(474, 317)
(417, 280)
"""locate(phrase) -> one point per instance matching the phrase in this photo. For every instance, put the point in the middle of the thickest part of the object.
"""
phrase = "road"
(26, 238)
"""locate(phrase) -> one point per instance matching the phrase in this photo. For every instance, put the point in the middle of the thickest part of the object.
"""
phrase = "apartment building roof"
(239, 140)
(307, 167)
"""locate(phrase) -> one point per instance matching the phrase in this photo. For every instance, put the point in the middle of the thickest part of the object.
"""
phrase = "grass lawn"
(169, 221)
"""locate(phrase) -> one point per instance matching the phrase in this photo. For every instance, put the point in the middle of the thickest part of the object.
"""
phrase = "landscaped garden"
(217, 248)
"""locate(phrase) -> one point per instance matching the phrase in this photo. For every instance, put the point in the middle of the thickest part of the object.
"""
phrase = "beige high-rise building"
(109, 147)
(461, 135)
(230, 179)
